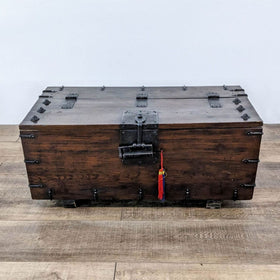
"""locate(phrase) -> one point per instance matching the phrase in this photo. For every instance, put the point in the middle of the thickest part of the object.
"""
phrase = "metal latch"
(214, 100)
(71, 98)
(139, 137)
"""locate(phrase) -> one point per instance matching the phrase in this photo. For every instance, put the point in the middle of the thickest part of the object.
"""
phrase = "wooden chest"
(104, 144)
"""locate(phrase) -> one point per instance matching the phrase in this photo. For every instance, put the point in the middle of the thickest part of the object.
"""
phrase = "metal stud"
(50, 194)
(188, 194)
(240, 108)
(245, 117)
(95, 194)
(236, 101)
(235, 194)
(35, 119)
(46, 102)
(41, 110)
(140, 194)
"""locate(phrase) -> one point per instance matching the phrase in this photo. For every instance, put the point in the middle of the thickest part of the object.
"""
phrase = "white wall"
(136, 42)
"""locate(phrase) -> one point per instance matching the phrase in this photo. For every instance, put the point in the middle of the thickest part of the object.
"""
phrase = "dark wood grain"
(204, 147)
(176, 107)
(76, 160)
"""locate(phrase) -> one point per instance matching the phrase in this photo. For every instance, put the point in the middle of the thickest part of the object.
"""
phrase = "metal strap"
(142, 99)
(71, 99)
(213, 99)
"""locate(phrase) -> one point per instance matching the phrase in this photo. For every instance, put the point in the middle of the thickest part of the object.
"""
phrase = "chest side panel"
(74, 161)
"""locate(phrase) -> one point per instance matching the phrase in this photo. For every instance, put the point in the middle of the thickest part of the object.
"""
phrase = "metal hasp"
(71, 99)
(139, 137)
(214, 100)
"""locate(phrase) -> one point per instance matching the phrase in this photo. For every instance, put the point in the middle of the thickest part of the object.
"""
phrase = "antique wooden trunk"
(104, 143)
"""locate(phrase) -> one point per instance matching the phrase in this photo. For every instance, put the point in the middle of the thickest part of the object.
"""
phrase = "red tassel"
(161, 179)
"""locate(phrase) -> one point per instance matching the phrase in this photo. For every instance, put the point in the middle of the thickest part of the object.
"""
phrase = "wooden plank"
(239, 241)
(9, 167)
(162, 271)
(263, 207)
(153, 92)
(271, 132)
(16, 204)
(268, 175)
(270, 151)
(10, 149)
(200, 241)
(173, 108)
(9, 133)
(215, 175)
(56, 270)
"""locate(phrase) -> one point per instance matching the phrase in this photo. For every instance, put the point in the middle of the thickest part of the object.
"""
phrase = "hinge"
(246, 160)
(214, 100)
(142, 99)
(235, 89)
(49, 91)
(70, 98)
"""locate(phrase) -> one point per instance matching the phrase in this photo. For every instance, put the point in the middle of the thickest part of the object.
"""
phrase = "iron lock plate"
(139, 137)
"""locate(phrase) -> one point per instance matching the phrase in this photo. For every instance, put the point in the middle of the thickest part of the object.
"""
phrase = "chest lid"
(176, 107)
